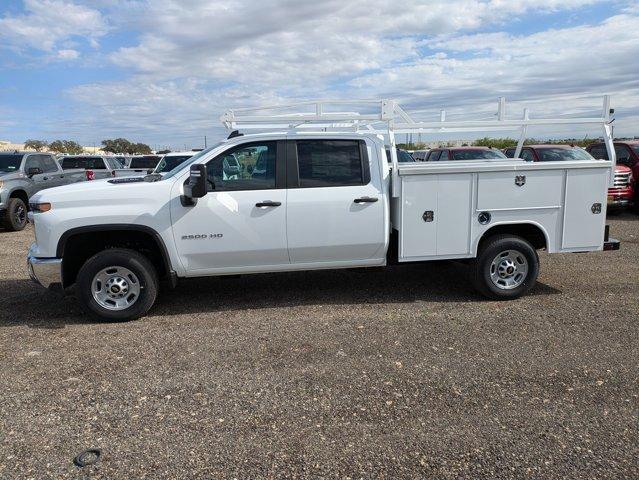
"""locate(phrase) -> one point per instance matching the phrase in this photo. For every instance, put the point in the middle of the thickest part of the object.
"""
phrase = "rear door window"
(331, 163)
(48, 164)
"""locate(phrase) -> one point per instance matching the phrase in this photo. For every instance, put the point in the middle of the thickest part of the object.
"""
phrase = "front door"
(336, 208)
(240, 224)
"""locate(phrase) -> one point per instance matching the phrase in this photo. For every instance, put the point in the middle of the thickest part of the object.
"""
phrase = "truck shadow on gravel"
(26, 303)
(432, 282)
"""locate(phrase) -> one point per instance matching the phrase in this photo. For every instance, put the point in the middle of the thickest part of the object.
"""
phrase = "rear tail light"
(90, 175)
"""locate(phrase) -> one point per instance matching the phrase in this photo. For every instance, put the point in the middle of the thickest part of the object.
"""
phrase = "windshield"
(478, 154)
(179, 168)
(10, 163)
(635, 148)
(561, 154)
(169, 163)
(144, 162)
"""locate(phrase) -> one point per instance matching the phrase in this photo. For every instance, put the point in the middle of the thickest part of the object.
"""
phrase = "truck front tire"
(506, 267)
(117, 285)
(15, 218)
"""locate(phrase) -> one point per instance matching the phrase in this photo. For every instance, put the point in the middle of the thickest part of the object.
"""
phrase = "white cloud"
(68, 54)
(196, 57)
(47, 23)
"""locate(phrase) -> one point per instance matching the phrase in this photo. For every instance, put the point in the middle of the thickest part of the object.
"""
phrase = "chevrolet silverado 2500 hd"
(317, 201)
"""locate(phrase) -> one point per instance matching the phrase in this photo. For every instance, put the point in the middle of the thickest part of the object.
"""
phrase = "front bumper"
(620, 197)
(45, 271)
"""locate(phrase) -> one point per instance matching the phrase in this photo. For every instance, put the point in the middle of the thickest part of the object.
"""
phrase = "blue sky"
(162, 71)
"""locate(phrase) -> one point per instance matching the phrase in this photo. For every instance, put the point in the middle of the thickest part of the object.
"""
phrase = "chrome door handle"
(268, 203)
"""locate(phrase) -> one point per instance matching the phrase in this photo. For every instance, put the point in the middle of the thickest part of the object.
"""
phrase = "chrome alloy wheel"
(509, 269)
(115, 288)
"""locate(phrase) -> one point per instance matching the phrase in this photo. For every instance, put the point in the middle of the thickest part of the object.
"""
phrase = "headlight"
(40, 207)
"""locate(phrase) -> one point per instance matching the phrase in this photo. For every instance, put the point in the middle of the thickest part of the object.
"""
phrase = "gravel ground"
(403, 372)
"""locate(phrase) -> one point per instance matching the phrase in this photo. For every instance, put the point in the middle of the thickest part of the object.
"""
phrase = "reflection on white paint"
(228, 201)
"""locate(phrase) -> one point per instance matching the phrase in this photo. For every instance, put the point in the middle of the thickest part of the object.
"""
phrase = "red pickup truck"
(619, 196)
(626, 188)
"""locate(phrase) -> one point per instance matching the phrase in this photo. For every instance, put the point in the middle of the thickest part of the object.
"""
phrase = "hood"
(622, 169)
(102, 191)
(10, 175)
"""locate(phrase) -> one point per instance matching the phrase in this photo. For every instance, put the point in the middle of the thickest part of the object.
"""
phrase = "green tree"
(118, 145)
(495, 142)
(140, 149)
(37, 145)
(74, 148)
(66, 146)
(57, 146)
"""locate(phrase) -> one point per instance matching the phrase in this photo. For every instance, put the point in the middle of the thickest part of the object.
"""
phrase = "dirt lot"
(403, 372)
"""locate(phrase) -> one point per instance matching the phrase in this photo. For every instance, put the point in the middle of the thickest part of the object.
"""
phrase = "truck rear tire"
(117, 285)
(506, 267)
(15, 218)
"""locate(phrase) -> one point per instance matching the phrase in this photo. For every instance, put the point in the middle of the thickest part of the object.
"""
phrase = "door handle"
(268, 203)
(366, 200)
(45, 178)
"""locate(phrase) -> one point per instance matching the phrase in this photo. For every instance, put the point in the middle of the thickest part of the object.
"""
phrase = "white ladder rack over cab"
(387, 117)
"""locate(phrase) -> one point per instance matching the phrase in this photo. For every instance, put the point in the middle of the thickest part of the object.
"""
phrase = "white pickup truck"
(320, 200)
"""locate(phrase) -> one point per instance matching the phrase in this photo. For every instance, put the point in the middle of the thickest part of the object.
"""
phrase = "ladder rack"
(387, 117)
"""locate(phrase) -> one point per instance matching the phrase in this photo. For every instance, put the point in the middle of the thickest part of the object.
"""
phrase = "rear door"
(335, 212)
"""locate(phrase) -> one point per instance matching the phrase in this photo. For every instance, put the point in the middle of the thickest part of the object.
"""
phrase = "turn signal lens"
(40, 207)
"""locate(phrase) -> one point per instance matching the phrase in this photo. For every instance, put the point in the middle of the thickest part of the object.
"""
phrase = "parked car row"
(22, 174)
(624, 193)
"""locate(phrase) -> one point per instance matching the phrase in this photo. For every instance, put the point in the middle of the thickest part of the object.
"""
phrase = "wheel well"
(21, 194)
(528, 231)
(77, 248)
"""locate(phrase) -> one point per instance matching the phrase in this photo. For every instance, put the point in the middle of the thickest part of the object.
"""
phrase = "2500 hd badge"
(202, 237)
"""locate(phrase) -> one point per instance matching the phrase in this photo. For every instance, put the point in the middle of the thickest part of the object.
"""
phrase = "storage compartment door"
(418, 237)
(586, 193)
(435, 215)
(453, 214)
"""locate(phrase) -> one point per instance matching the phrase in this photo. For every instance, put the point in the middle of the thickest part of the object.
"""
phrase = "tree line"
(118, 145)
